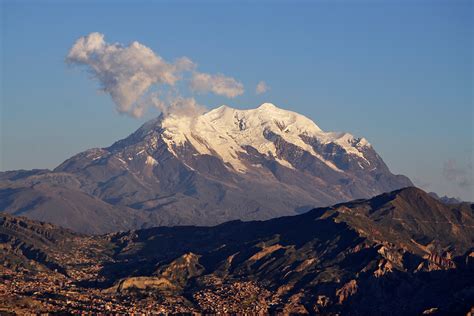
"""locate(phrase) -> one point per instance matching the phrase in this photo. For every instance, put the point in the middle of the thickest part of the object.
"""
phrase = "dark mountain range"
(399, 253)
(446, 199)
(223, 165)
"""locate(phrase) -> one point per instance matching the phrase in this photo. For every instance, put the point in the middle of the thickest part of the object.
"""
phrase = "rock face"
(400, 253)
(223, 165)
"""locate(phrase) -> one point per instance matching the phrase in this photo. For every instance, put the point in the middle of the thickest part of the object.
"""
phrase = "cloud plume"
(218, 84)
(175, 104)
(136, 77)
(262, 87)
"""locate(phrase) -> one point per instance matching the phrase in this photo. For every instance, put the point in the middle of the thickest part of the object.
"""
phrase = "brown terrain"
(399, 253)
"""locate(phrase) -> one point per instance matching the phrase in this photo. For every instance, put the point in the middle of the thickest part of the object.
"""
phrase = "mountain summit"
(222, 165)
(226, 132)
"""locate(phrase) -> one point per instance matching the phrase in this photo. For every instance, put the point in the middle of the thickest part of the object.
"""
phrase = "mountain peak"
(226, 132)
(416, 195)
(267, 105)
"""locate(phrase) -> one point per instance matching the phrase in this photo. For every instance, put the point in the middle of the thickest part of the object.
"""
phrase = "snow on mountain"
(225, 131)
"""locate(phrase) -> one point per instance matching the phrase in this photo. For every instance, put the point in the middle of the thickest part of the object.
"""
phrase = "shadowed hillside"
(402, 252)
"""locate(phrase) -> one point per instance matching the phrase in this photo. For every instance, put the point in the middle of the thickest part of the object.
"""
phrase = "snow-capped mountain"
(222, 165)
(226, 132)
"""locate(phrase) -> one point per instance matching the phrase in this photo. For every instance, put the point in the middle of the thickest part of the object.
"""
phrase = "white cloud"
(185, 107)
(218, 84)
(262, 87)
(125, 72)
(135, 77)
(175, 104)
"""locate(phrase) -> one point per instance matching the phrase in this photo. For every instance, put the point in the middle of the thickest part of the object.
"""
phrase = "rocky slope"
(223, 165)
(402, 252)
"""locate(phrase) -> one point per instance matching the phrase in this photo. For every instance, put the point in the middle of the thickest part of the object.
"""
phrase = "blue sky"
(396, 72)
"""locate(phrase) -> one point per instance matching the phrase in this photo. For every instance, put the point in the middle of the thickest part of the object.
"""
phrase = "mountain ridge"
(343, 259)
